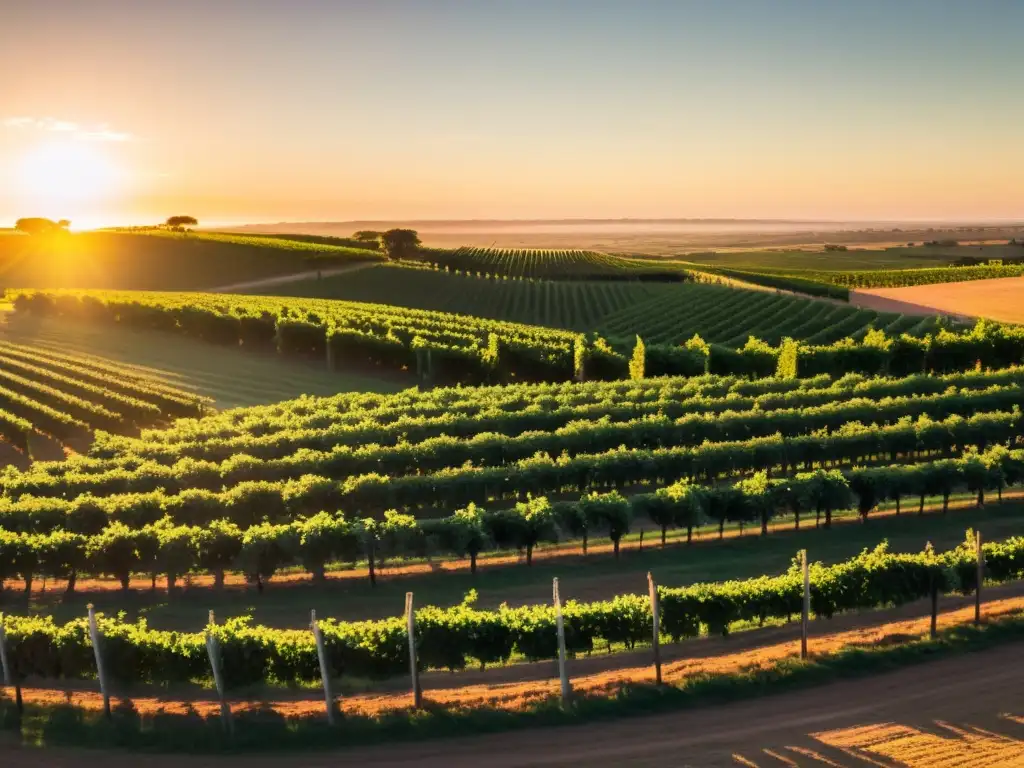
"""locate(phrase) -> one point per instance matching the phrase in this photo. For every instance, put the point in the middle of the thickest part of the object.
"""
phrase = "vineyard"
(367, 477)
(729, 316)
(542, 264)
(48, 394)
(456, 637)
(567, 304)
(835, 282)
(444, 348)
(549, 410)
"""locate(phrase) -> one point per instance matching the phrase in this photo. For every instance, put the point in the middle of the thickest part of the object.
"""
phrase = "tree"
(324, 537)
(62, 556)
(177, 222)
(367, 236)
(722, 506)
(400, 243)
(462, 533)
(940, 478)
(265, 548)
(657, 507)
(177, 552)
(978, 474)
(680, 504)
(538, 524)
(115, 552)
(218, 544)
(19, 554)
(825, 490)
(760, 498)
(39, 226)
(870, 487)
(610, 511)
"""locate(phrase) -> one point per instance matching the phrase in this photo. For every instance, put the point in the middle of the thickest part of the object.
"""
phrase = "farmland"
(158, 259)
(469, 431)
(999, 299)
(533, 264)
(658, 312)
(48, 395)
(561, 304)
(729, 317)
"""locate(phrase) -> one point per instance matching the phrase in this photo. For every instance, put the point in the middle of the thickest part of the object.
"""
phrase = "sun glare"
(56, 174)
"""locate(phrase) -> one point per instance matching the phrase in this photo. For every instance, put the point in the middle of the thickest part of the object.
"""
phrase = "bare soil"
(1001, 299)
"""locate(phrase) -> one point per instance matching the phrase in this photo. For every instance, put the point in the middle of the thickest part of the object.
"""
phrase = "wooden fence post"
(414, 667)
(325, 673)
(656, 621)
(5, 665)
(8, 671)
(980, 557)
(213, 651)
(563, 672)
(934, 589)
(806, 613)
(94, 637)
(641, 539)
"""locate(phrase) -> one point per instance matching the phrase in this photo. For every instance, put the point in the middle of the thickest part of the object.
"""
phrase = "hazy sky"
(286, 110)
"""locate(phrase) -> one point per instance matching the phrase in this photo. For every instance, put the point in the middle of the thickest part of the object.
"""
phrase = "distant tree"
(177, 222)
(367, 236)
(400, 243)
(37, 226)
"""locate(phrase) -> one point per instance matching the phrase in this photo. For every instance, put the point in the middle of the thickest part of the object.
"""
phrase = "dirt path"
(954, 712)
(293, 278)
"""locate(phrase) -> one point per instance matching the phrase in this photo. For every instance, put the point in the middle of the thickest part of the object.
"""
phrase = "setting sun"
(57, 173)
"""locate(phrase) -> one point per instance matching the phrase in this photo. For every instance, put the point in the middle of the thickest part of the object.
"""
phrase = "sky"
(251, 110)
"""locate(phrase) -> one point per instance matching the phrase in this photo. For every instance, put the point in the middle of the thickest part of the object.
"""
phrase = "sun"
(56, 174)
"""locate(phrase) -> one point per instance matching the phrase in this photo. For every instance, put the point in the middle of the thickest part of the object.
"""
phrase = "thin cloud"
(102, 132)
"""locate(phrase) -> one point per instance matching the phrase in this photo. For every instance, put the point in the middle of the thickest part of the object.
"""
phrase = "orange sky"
(263, 111)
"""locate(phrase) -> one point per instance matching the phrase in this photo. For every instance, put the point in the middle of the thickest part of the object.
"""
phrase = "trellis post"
(414, 667)
(213, 651)
(806, 612)
(563, 672)
(325, 673)
(980, 559)
(656, 622)
(94, 637)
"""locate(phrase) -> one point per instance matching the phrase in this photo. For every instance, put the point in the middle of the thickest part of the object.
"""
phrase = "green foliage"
(400, 243)
(638, 360)
(451, 638)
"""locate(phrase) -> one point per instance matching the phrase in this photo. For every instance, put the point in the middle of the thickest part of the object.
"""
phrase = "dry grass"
(911, 746)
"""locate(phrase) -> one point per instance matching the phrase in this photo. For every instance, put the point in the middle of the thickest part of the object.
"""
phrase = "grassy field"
(157, 260)
(232, 377)
(597, 576)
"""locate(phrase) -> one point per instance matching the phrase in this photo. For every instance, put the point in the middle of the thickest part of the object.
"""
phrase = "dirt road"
(292, 278)
(959, 711)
